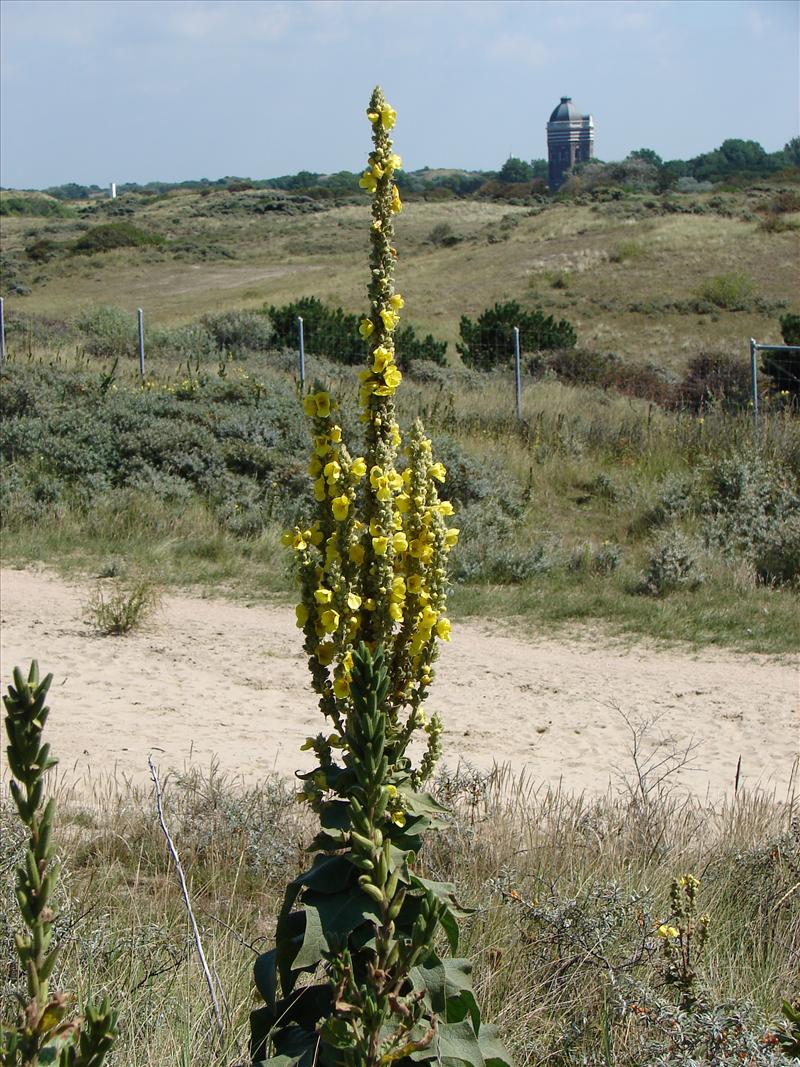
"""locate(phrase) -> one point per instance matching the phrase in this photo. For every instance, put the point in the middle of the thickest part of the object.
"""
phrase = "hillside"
(638, 276)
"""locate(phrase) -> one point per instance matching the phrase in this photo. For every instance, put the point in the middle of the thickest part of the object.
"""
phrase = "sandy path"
(212, 678)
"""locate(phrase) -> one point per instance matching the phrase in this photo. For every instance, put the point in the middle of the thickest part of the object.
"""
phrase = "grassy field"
(626, 273)
(568, 896)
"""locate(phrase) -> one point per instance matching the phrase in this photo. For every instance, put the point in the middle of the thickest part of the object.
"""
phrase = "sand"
(215, 680)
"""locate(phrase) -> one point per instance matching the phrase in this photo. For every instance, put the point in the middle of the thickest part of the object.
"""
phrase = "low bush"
(122, 607)
(34, 207)
(714, 378)
(240, 332)
(731, 292)
(672, 566)
(112, 235)
(108, 332)
(783, 368)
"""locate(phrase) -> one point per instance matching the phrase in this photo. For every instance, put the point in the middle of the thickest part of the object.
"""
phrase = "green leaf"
(448, 986)
(492, 1048)
(328, 874)
(264, 971)
(332, 917)
(454, 1045)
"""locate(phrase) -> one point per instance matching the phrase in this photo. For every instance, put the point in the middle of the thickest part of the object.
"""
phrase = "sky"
(95, 91)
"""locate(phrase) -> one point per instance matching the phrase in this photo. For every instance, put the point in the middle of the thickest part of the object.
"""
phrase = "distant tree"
(792, 151)
(515, 170)
(648, 156)
(487, 342)
(540, 168)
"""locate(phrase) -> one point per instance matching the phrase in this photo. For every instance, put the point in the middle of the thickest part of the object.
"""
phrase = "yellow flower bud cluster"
(373, 563)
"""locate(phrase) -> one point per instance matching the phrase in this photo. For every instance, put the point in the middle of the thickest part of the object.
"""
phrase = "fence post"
(2, 333)
(302, 348)
(140, 317)
(754, 376)
(517, 377)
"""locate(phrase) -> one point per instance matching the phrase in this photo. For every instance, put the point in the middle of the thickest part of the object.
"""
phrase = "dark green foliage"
(33, 206)
(364, 914)
(327, 331)
(488, 342)
(409, 348)
(111, 235)
(515, 170)
(333, 332)
(42, 1033)
(783, 368)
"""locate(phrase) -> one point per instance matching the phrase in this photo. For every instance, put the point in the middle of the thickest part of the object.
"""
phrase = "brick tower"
(570, 140)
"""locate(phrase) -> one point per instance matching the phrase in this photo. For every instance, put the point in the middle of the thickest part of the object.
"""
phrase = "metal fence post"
(517, 377)
(754, 376)
(2, 333)
(140, 317)
(302, 349)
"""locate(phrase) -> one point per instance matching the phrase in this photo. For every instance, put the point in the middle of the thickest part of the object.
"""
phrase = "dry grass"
(505, 252)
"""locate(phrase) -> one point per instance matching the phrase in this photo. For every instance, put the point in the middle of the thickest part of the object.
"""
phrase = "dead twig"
(185, 893)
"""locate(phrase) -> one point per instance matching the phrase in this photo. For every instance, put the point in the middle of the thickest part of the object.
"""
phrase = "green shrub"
(488, 342)
(34, 207)
(108, 332)
(111, 235)
(327, 331)
(410, 348)
(240, 332)
(626, 252)
(731, 292)
(672, 566)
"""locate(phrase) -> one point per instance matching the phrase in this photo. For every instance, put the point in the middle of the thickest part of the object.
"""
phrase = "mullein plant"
(43, 1033)
(358, 977)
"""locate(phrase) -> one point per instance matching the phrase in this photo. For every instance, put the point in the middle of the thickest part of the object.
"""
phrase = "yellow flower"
(323, 402)
(395, 611)
(310, 406)
(438, 471)
(319, 489)
(368, 181)
(354, 603)
(301, 611)
(445, 508)
(366, 328)
(451, 537)
(392, 377)
(390, 318)
(394, 162)
(341, 688)
(375, 476)
(356, 554)
(287, 538)
(373, 116)
(668, 931)
(336, 434)
(381, 357)
(330, 620)
(341, 505)
(414, 584)
(379, 545)
(398, 587)
(323, 595)
(332, 471)
(443, 629)
(314, 467)
(326, 652)
(397, 301)
(403, 502)
(399, 818)
(358, 468)
(400, 542)
(391, 791)
(397, 203)
(388, 116)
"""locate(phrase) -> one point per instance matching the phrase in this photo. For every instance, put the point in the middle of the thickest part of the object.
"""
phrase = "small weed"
(122, 608)
(731, 292)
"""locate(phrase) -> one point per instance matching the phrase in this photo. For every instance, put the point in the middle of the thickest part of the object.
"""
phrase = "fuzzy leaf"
(264, 970)
(448, 986)
(492, 1048)
(455, 1045)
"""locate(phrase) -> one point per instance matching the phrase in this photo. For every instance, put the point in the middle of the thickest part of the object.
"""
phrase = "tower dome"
(566, 111)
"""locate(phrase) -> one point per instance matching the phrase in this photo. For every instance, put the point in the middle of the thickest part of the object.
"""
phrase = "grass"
(613, 254)
(567, 891)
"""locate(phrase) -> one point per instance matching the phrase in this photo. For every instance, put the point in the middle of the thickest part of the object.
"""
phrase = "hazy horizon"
(95, 91)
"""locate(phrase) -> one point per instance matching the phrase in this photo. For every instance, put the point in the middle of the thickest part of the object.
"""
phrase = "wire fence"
(771, 381)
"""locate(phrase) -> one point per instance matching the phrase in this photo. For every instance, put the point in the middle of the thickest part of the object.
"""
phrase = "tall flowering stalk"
(372, 568)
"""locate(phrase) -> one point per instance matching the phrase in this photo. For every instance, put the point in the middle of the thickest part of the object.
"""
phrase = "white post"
(754, 375)
(301, 344)
(113, 190)
(517, 378)
(2, 334)
(140, 316)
